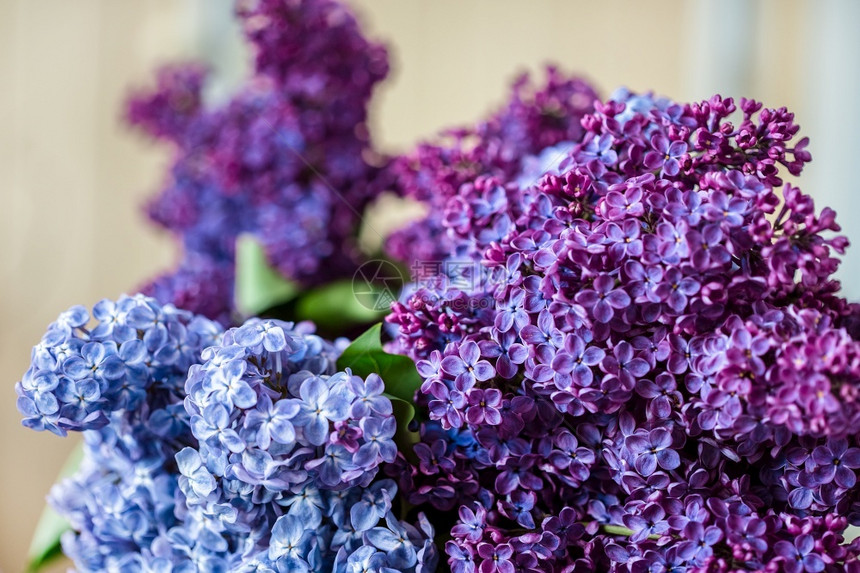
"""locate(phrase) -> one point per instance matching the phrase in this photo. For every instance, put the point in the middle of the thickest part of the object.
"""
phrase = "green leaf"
(366, 356)
(333, 305)
(404, 413)
(258, 286)
(45, 545)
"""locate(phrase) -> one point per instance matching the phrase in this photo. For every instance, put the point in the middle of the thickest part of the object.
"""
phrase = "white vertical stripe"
(220, 44)
(832, 121)
(719, 48)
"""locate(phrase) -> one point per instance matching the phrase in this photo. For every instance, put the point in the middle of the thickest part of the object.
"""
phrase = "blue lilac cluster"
(270, 411)
(287, 158)
(206, 450)
(87, 368)
(118, 375)
(666, 378)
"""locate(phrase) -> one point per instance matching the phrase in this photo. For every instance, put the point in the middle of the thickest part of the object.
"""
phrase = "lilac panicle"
(651, 368)
(287, 158)
(269, 409)
(206, 450)
(89, 367)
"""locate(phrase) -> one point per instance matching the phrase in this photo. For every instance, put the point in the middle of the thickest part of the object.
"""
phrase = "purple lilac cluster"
(287, 159)
(436, 174)
(666, 379)
(206, 450)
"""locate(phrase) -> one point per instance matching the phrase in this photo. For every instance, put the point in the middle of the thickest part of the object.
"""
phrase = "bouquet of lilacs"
(621, 347)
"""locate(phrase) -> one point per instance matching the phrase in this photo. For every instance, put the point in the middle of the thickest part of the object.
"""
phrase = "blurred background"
(72, 178)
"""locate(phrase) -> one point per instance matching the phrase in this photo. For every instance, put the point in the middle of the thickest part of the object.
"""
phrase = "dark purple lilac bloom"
(683, 353)
(519, 476)
(604, 298)
(703, 295)
(509, 353)
(835, 462)
(651, 449)
(725, 209)
(599, 149)
(569, 455)
(649, 522)
(665, 155)
(434, 458)
(565, 526)
(518, 506)
(624, 365)
(661, 393)
(799, 556)
(496, 559)
(747, 532)
(625, 239)
(676, 289)
(484, 407)
(448, 406)
(467, 367)
(707, 248)
(513, 312)
(471, 523)
(672, 245)
(286, 159)
(573, 365)
(623, 203)
(461, 558)
(699, 541)
(544, 332)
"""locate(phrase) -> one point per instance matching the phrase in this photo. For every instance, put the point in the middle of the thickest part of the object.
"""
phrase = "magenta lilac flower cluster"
(535, 118)
(287, 159)
(205, 450)
(649, 367)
